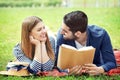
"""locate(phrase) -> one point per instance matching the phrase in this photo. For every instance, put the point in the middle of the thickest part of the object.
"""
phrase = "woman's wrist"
(37, 44)
(42, 42)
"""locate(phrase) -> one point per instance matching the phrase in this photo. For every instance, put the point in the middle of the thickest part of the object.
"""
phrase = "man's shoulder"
(96, 30)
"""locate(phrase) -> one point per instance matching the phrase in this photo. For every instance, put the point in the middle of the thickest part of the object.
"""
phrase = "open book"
(69, 56)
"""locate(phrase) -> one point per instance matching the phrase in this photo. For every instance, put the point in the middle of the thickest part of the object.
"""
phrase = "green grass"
(10, 29)
(101, 77)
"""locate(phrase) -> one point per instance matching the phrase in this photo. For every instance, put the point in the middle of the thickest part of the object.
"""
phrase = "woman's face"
(39, 32)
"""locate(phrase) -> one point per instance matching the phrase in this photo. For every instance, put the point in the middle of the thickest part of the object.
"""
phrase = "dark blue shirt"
(99, 39)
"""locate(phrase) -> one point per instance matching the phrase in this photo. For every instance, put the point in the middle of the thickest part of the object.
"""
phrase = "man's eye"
(65, 31)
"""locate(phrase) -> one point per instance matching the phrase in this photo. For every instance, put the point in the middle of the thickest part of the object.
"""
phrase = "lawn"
(10, 28)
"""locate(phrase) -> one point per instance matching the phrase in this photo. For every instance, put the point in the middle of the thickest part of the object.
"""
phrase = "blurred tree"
(97, 3)
(66, 3)
(84, 3)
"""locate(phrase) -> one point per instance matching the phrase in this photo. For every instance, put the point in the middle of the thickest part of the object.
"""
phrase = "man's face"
(67, 34)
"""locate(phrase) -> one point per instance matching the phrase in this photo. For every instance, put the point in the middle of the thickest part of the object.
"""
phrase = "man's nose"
(61, 32)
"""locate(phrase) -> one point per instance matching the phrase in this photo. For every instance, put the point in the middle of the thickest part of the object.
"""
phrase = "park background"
(104, 13)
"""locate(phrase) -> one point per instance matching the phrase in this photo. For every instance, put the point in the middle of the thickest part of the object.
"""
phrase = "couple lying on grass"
(38, 48)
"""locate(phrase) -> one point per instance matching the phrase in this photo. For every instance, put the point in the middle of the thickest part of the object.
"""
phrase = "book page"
(68, 46)
(86, 48)
(71, 47)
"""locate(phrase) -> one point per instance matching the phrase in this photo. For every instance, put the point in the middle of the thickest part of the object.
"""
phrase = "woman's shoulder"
(17, 49)
(17, 46)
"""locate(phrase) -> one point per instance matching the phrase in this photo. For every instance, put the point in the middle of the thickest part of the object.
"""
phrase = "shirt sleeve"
(20, 56)
(36, 66)
(52, 41)
(59, 41)
(48, 65)
(107, 53)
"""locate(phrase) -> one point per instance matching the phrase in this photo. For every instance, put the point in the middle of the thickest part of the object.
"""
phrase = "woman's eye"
(44, 27)
(39, 29)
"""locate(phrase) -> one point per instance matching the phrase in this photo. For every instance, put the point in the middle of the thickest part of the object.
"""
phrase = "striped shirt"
(34, 65)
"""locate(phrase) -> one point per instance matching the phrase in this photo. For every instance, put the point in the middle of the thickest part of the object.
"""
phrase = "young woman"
(35, 47)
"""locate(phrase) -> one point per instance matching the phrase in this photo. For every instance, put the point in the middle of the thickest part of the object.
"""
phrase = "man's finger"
(79, 72)
(90, 65)
(73, 70)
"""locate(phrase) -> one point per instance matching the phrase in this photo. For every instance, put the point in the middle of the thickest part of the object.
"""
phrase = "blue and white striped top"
(33, 64)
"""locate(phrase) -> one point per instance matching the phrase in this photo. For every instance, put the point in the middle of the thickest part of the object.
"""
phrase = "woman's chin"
(43, 40)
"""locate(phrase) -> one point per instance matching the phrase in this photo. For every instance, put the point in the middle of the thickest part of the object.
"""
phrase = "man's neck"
(82, 39)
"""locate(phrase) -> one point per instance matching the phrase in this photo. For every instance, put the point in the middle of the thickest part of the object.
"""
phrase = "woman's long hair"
(27, 47)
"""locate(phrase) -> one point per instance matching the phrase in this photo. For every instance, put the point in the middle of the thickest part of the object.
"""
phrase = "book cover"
(69, 56)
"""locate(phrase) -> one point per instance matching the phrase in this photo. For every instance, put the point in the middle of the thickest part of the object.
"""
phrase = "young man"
(76, 32)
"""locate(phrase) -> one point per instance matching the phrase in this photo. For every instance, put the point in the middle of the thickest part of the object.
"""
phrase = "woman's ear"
(77, 34)
(30, 34)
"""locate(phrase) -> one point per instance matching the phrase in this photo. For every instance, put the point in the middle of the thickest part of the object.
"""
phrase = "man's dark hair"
(76, 21)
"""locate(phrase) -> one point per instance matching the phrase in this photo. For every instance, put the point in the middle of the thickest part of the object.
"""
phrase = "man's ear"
(77, 34)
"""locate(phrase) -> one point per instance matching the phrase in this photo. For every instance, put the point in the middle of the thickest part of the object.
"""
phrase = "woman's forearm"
(45, 56)
(38, 53)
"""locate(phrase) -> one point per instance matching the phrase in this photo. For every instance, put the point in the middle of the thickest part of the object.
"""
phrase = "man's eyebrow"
(64, 30)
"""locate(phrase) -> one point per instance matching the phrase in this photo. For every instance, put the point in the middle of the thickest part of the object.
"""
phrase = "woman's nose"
(44, 30)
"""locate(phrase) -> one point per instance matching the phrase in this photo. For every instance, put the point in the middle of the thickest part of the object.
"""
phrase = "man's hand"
(77, 70)
(92, 69)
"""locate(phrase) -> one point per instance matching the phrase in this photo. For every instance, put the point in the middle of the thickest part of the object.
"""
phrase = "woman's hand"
(34, 41)
(92, 69)
(77, 70)
(43, 38)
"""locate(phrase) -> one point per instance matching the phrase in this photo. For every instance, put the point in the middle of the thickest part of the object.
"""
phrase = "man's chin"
(66, 38)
